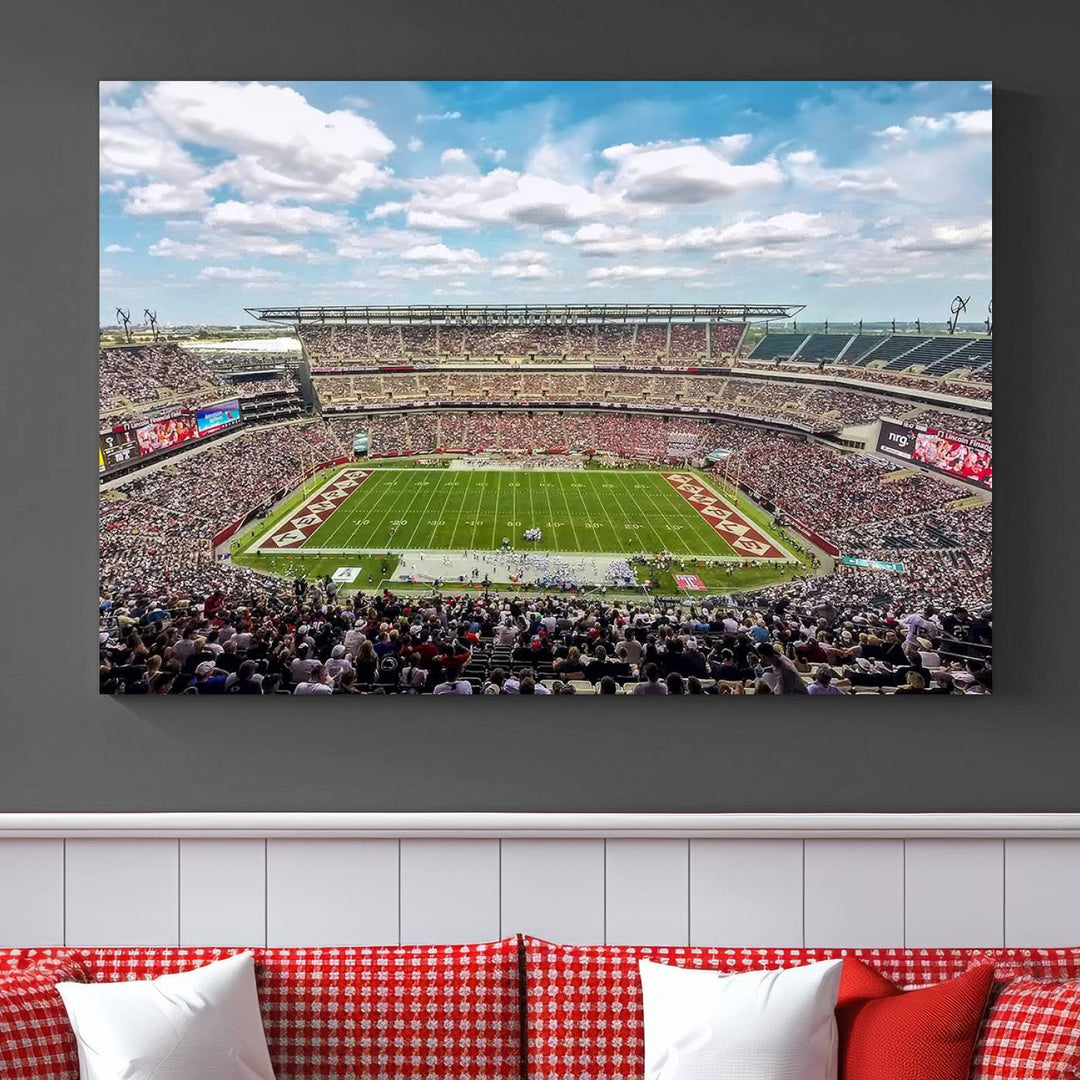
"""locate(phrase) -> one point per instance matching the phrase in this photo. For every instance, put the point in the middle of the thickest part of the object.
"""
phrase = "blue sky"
(860, 200)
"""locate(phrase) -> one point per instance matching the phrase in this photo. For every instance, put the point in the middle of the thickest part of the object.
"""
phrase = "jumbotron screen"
(116, 448)
(163, 434)
(216, 417)
(940, 451)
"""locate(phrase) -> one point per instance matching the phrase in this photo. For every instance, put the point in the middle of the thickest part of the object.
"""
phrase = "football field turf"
(372, 510)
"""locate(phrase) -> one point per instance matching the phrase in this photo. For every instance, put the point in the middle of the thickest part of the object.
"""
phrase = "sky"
(859, 200)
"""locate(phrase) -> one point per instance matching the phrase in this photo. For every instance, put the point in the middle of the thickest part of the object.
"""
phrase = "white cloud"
(948, 236)
(988, 87)
(285, 148)
(161, 198)
(229, 246)
(525, 264)
(687, 174)
(440, 253)
(807, 169)
(748, 233)
(253, 275)
(111, 89)
(893, 131)
(117, 249)
(534, 271)
(425, 117)
(415, 144)
(980, 122)
(271, 217)
(616, 274)
(502, 196)
(498, 154)
(454, 156)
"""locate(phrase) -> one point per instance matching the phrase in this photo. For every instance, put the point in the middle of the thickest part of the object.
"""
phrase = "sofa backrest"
(584, 1018)
(384, 1013)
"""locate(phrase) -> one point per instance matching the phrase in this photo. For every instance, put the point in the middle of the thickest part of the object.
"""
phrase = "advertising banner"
(213, 418)
(163, 434)
(874, 564)
(690, 582)
(940, 451)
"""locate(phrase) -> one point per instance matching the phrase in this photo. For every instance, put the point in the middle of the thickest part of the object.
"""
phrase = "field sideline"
(616, 512)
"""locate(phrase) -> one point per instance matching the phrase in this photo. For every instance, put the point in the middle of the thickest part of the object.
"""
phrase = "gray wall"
(62, 747)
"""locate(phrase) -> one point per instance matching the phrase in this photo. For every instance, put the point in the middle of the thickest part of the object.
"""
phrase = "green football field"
(616, 512)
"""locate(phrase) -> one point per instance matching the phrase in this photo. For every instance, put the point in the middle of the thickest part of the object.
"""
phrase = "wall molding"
(539, 826)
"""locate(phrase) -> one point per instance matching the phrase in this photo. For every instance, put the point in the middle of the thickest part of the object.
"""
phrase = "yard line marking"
(551, 514)
(461, 506)
(427, 506)
(603, 503)
(495, 523)
(569, 516)
(479, 513)
(647, 518)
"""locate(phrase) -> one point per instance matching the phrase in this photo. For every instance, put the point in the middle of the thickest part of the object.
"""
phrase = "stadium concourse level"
(375, 344)
(816, 408)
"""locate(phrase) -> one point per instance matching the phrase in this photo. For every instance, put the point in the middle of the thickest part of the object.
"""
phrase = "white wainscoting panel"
(554, 889)
(647, 892)
(854, 893)
(746, 892)
(954, 893)
(738, 880)
(332, 892)
(1042, 892)
(31, 892)
(123, 892)
(449, 891)
(222, 892)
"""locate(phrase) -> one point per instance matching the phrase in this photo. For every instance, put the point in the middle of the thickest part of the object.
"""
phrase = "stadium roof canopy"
(524, 314)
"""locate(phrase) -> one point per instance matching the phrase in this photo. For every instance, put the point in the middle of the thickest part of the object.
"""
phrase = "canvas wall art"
(545, 388)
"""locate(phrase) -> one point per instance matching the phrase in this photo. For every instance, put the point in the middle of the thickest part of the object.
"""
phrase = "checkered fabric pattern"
(584, 1012)
(410, 1012)
(1031, 1032)
(36, 1039)
(1036, 963)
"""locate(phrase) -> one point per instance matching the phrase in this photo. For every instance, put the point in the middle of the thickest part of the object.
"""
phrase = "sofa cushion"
(927, 1033)
(1031, 1032)
(1035, 963)
(36, 1039)
(388, 1012)
(583, 1002)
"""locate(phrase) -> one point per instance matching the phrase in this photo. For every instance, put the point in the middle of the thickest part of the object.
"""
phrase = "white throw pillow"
(201, 1024)
(757, 1025)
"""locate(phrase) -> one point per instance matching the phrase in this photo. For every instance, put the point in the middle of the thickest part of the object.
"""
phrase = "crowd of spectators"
(247, 636)
(650, 437)
(977, 427)
(817, 408)
(649, 341)
(965, 388)
(157, 529)
(152, 373)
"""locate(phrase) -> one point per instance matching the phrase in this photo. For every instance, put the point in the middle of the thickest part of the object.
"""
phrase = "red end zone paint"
(743, 535)
(297, 529)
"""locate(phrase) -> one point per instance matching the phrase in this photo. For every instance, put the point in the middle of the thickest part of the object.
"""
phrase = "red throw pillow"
(1031, 1033)
(36, 1038)
(892, 1034)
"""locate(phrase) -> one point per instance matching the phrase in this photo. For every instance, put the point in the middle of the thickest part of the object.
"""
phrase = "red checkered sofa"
(444, 1012)
(526, 1009)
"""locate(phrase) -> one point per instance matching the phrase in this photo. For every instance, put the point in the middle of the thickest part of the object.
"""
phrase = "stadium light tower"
(989, 320)
(957, 307)
(125, 319)
(918, 325)
(151, 318)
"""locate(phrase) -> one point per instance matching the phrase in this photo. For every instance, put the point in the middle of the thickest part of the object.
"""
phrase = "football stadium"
(588, 499)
